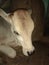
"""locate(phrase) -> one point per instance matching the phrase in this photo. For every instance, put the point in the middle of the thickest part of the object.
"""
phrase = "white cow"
(22, 27)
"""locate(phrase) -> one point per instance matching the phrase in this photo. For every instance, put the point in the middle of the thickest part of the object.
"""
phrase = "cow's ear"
(30, 11)
(5, 16)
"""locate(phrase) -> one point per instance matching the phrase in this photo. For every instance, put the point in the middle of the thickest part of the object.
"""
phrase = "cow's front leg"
(7, 50)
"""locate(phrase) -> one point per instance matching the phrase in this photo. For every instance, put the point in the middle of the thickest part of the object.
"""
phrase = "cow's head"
(22, 27)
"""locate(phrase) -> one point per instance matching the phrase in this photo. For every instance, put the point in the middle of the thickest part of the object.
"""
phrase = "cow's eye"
(16, 32)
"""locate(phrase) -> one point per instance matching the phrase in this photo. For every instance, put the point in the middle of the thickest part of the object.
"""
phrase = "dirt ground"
(39, 57)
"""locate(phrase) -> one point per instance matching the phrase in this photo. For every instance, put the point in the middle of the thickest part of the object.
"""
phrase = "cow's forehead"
(22, 22)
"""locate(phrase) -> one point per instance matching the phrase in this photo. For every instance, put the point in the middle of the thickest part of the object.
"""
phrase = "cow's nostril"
(30, 53)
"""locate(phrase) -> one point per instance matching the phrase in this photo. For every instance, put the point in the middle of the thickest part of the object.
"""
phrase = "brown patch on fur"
(11, 14)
